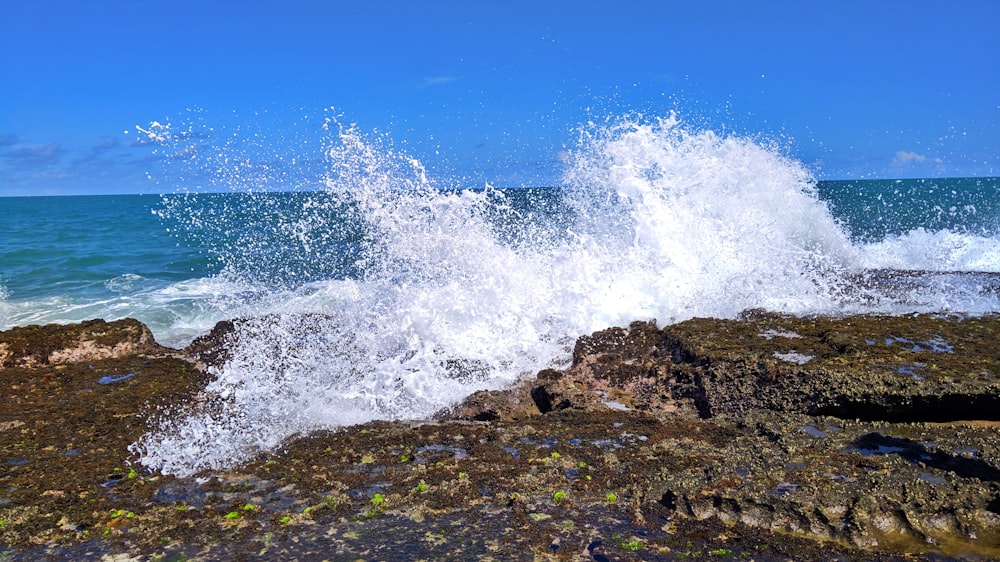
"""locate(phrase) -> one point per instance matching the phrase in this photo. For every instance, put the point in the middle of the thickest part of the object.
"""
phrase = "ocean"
(386, 293)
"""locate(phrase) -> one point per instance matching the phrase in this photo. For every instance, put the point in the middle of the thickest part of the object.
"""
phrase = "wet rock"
(75, 397)
(493, 405)
(554, 391)
(212, 349)
(860, 483)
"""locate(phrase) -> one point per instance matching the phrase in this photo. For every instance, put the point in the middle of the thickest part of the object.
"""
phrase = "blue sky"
(492, 91)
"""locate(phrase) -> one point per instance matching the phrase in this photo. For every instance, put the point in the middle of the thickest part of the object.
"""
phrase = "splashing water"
(701, 225)
(386, 297)
(3, 305)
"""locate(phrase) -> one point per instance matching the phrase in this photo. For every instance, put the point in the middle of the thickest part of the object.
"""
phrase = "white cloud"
(905, 158)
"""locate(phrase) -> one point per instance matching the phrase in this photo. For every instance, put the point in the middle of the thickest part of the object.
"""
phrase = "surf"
(390, 294)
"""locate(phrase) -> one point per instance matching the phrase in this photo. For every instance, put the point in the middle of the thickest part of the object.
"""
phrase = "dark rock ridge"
(768, 438)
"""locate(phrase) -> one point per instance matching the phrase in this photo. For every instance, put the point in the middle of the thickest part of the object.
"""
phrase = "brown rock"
(92, 340)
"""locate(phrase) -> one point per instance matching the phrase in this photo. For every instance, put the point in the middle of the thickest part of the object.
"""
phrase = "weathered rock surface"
(765, 438)
(93, 340)
(880, 432)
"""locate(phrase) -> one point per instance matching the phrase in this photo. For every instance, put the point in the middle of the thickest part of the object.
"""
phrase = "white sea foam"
(4, 307)
(703, 224)
(925, 250)
(661, 223)
(175, 313)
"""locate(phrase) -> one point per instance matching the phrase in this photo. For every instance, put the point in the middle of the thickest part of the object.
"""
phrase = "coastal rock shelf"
(767, 437)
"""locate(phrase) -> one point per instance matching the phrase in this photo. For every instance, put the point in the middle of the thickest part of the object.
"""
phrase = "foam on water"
(448, 291)
(175, 313)
(4, 306)
(926, 250)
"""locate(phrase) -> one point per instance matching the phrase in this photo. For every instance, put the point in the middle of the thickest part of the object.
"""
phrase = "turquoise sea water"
(65, 259)
(385, 295)
(71, 258)
(90, 246)
(875, 209)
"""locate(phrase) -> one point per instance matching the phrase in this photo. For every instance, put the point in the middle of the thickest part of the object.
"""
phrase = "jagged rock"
(919, 368)
(493, 405)
(554, 391)
(212, 349)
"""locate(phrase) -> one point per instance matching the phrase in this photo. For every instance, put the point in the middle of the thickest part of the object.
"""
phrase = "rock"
(93, 340)
(768, 437)
(859, 424)
(554, 391)
(212, 349)
(492, 405)
(920, 368)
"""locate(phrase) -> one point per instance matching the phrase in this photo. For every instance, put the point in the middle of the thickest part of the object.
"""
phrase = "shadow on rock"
(878, 444)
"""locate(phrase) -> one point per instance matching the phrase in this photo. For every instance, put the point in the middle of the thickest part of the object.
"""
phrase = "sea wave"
(176, 313)
(436, 293)
(4, 307)
(927, 250)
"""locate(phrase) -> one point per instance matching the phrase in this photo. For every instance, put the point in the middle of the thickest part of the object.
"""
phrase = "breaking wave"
(387, 295)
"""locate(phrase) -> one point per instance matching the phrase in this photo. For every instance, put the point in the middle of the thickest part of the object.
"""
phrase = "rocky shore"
(767, 438)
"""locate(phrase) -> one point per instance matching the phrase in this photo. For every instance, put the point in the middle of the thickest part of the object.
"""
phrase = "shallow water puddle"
(912, 370)
(814, 431)
(425, 453)
(933, 345)
(110, 379)
(771, 333)
(794, 357)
